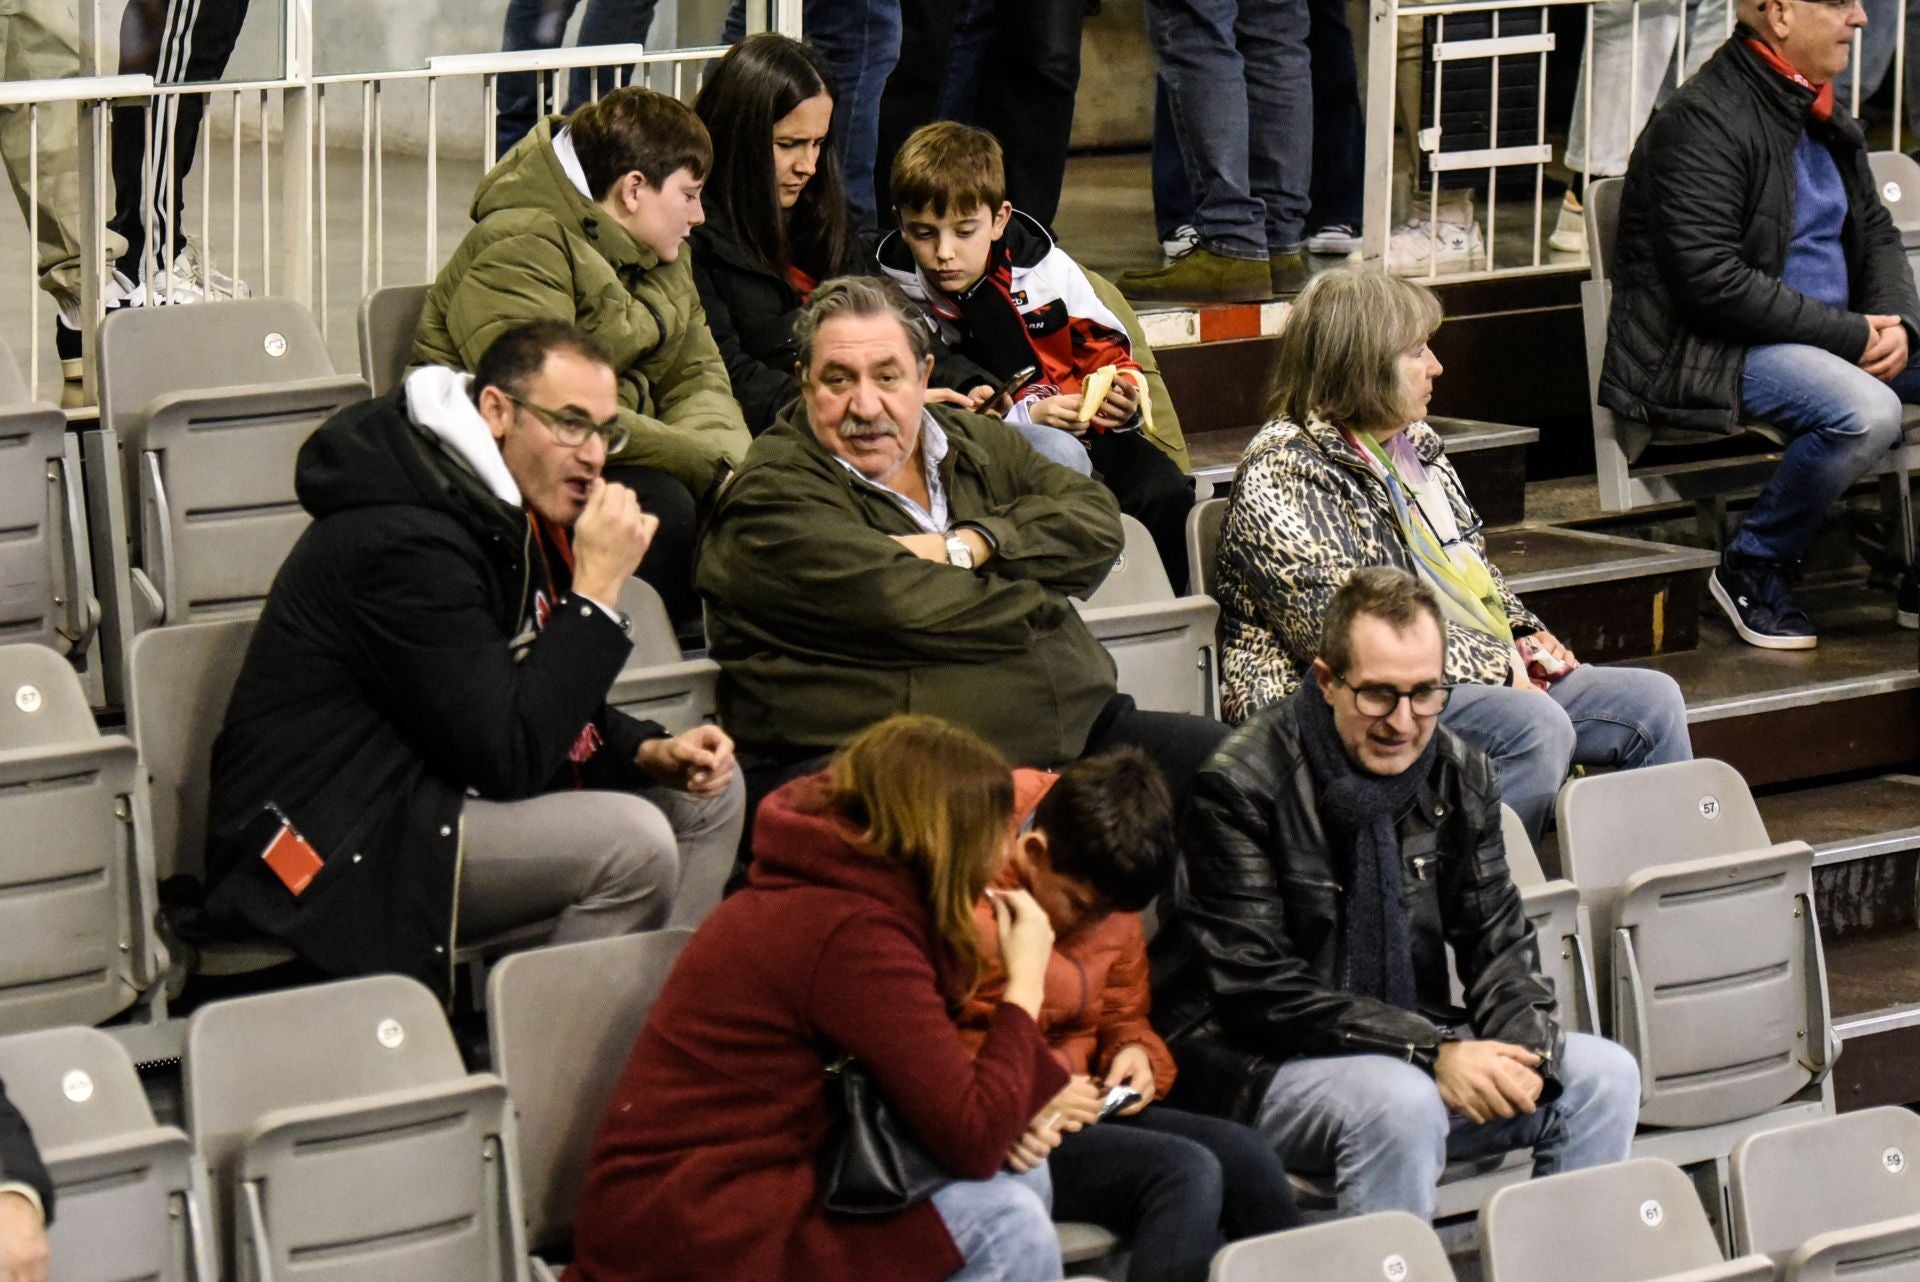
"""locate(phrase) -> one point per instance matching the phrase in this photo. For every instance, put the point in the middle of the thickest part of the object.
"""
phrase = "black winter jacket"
(1255, 943)
(19, 1159)
(751, 312)
(1705, 221)
(391, 672)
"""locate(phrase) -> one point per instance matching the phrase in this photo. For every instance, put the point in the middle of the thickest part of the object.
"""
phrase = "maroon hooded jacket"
(706, 1164)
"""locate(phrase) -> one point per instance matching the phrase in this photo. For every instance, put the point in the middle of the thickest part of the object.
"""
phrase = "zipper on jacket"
(1405, 1050)
(1420, 863)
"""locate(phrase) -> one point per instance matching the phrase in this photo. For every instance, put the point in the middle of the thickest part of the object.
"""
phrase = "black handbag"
(868, 1165)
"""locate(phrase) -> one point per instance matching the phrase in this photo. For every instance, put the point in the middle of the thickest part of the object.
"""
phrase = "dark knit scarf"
(1359, 810)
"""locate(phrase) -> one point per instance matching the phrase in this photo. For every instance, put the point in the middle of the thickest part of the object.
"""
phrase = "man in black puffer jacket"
(1336, 844)
(1756, 275)
(419, 752)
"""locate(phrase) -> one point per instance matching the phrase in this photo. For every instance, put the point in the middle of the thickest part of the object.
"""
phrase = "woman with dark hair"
(854, 937)
(777, 221)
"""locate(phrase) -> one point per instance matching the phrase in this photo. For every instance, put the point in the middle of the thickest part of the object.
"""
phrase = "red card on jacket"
(292, 860)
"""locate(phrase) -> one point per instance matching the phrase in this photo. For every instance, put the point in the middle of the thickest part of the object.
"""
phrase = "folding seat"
(658, 684)
(1633, 1221)
(1163, 646)
(211, 404)
(345, 1140)
(1203, 542)
(1711, 955)
(1831, 1199)
(46, 567)
(131, 1196)
(76, 871)
(388, 320)
(562, 1023)
(1560, 927)
(1365, 1248)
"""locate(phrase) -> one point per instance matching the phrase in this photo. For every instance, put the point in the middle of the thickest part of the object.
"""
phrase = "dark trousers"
(1339, 139)
(1180, 744)
(1010, 66)
(541, 24)
(1178, 1185)
(175, 42)
(1172, 189)
(668, 567)
(1152, 489)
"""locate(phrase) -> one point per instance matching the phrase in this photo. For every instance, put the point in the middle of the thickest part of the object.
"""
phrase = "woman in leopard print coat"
(1349, 474)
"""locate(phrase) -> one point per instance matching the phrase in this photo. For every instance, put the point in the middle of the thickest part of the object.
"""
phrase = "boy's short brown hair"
(637, 129)
(949, 166)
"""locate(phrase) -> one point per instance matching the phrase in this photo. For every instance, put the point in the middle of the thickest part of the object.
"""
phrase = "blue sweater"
(1816, 263)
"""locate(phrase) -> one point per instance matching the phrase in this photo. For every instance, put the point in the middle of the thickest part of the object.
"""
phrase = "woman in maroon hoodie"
(855, 936)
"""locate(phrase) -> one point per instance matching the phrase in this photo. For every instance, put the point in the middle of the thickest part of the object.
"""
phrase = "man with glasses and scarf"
(419, 754)
(1336, 844)
(1757, 276)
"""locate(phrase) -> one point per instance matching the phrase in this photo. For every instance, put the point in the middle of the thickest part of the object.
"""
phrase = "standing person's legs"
(668, 567)
(1256, 1196)
(1844, 421)
(215, 31)
(1159, 1190)
(707, 832)
(914, 90)
(39, 41)
(1375, 1124)
(968, 48)
(1272, 38)
(1877, 43)
(861, 39)
(1528, 736)
(1590, 1123)
(1624, 717)
(1179, 744)
(595, 863)
(1337, 166)
(1003, 1227)
(1206, 81)
(1625, 77)
(1152, 489)
(1027, 89)
(520, 97)
(1172, 189)
(607, 22)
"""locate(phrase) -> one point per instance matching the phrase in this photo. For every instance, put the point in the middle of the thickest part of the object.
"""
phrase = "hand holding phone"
(1119, 1097)
(1002, 399)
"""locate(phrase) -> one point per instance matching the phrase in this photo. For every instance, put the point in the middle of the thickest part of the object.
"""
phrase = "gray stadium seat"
(46, 569)
(1203, 542)
(388, 320)
(562, 1023)
(1712, 952)
(658, 684)
(210, 405)
(1619, 442)
(76, 874)
(1164, 647)
(1366, 1248)
(1560, 928)
(131, 1195)
(1633, 1221)
(1855, 1177)
(1885, 1252)
(1897, 175)
(345, 1140)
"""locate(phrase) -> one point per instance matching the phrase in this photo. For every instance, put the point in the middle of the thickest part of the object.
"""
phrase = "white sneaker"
(1569, 229)
(1337, 238)
(189, 281)
(1183, 239)
(1420, 247)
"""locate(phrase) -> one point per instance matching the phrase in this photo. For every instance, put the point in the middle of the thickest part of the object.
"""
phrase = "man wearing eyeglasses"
(419, 754)
(1335, 847)
(1758, 277)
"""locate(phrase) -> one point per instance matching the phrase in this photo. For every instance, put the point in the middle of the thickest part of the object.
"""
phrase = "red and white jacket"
(1034, 306)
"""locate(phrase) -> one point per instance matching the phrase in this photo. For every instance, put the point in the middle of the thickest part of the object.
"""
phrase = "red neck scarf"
(1822, 94)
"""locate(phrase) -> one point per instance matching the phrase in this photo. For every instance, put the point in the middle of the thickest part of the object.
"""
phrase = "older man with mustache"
(874, 556)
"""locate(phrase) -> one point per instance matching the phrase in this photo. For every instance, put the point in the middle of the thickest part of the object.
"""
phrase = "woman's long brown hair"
(937, 798)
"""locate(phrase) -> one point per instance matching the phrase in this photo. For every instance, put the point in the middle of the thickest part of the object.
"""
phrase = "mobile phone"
(1020, 378)
(1118, 1098)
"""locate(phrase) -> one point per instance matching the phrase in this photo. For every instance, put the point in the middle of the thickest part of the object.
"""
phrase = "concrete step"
(1607, 597)
(1850, 705)
(1873, 982)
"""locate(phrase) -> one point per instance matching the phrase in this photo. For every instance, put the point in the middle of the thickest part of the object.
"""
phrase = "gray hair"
(1384, 592)
(1341, 348)
(860, 296)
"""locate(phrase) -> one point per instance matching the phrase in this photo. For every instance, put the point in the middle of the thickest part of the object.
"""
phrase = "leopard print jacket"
(1306, 512)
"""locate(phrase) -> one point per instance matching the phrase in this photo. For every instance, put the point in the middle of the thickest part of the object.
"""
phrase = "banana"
(1094, 391)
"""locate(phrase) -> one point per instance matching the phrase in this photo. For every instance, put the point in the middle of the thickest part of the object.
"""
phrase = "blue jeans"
(1172, 189)
(1240, 92)
(1003, 1227)
(1339, 137)
(1056, 446)
(1378, 1127)
(1843, 421)
(861, 40)
(540, 24)
(1593, 716)
(1877, 45)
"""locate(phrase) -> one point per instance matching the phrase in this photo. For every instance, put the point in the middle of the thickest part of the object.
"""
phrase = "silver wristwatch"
(958, 553)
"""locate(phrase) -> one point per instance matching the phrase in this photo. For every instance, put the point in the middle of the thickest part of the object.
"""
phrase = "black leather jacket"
(1257, 924)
